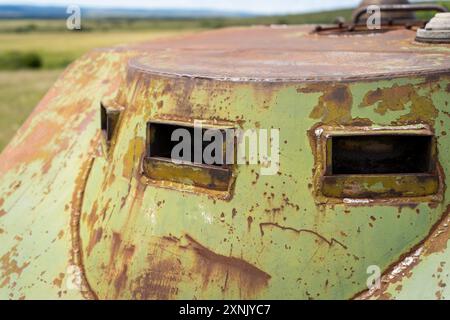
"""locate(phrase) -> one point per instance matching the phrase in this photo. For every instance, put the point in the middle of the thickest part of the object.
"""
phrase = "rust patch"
(133, 154)
(41, 135)
(248, 273)
(121, 280)
(249, 223)
(390, 99)
(9, 265)
(92, 217)
(59, 280)
(397, 98)
(2, 213)
(184, 260)
(159, 282)
(95, 237)
(5, 282)
(89, 118)
(334, 105)
(115, 246)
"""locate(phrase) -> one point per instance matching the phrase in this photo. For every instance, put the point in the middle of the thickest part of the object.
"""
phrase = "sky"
(251, 6)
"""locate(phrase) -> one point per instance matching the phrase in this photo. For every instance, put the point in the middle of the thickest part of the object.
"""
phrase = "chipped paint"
(136, 237)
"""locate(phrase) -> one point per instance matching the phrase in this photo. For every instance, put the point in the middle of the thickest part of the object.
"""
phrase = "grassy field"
(21, 90)
(58, 49)
(19, 93)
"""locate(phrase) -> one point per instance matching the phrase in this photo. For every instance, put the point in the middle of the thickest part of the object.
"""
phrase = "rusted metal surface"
(402, 8)
(379, 184)
(201, 176)
(266, 236)
(43, 174)
(293, 54)
(109, 117)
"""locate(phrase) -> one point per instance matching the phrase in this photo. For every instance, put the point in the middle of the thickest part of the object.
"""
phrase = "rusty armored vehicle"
(92, 206)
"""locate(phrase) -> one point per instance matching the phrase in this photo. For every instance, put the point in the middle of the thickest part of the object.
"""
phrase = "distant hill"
(22, 18)
(59, 12)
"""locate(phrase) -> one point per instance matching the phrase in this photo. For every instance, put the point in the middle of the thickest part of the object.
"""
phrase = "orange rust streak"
(177, 262)
(30, 149)
(76, 205)
(59, 280)
(9, 265)
(93, 240)
(224, 260)
(115, 245)
(122, 279)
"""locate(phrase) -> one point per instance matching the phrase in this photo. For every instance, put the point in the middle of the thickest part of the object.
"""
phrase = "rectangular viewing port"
(381, 154)
(187, 165)
(380, 165)
(109, 118)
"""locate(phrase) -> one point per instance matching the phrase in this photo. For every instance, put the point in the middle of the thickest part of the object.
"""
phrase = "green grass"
(58, 49)
(20, 91)
(14, 60)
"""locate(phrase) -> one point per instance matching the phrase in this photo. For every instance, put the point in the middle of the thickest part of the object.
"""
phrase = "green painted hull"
(80, 219)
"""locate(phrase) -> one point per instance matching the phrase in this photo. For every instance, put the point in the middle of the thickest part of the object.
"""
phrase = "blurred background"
(35, 44)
